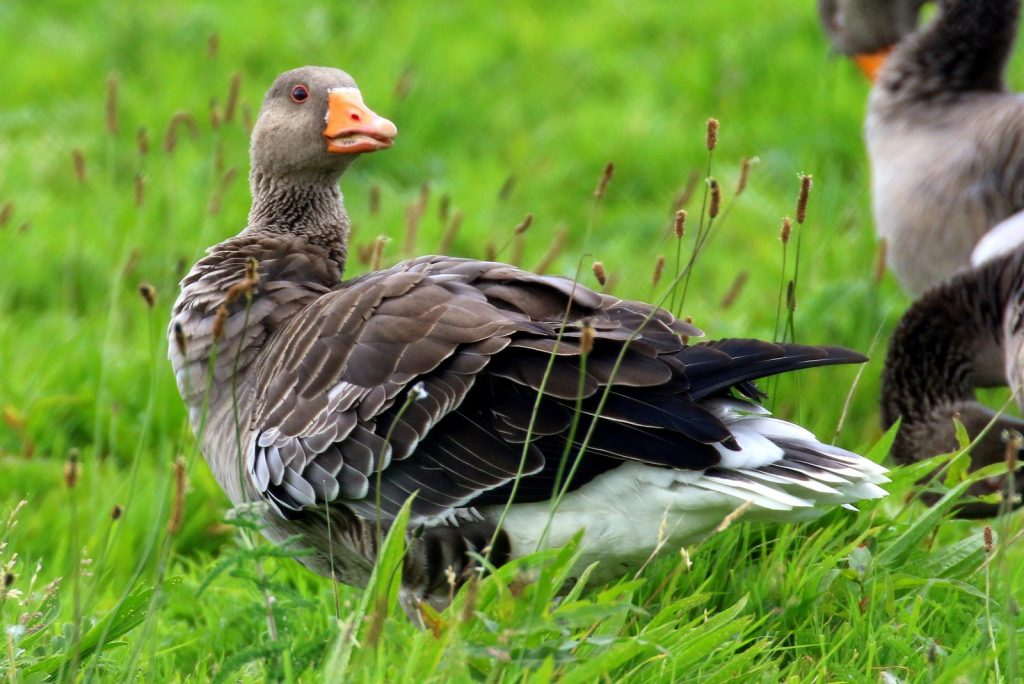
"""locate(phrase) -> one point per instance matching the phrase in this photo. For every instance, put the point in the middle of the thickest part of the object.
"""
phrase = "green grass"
(541, 93)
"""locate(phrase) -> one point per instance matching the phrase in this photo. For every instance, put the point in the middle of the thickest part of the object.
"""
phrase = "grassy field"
(123, 154)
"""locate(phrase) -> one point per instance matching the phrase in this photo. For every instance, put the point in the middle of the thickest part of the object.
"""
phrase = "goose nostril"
(355, 116)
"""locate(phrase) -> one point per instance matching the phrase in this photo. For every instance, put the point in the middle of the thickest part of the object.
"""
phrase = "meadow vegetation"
(123, 154)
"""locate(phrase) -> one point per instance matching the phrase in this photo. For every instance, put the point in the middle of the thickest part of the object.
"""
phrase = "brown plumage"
(343, 398)
(964, 334)
(945, 137)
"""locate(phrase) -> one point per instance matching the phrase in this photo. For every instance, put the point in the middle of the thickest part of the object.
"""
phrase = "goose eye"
(300, 94)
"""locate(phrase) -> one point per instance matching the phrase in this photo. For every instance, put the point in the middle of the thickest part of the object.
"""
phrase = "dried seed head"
(214, 114)
(987, 535)
(735, 515)
(413, 214)
(716, 198)
(506, 188)
(180, 120)
(5, 213)
(377, 256)
(787, 228)
(418, 392)
(684, 556)
(524, 225)
(142, 140)
(246, 285)
(735, 289)
(177, 518)
(599, 273)
(602, 184)
(247, 116)
(364, 253)
(659, 268)
(451, 232)
(148, 293)
(712, 137)
(587, 337)
(741, 184)
(1014, 441)
(217, 200)
(131, 262)
(213, 45)
(116, 512)
(219, 319)
(444, 207)
(686, 338)
(232, 102)
(374, 200)
(112, 126)
(881, 257)
(78, 157)
(680, 223)
(660, 535)
(252, 268)
(179, 338)
(71, 469)
(518, 249)
(449, 576)
(405, 82)
(171, 140)
(14, 418)
(801, 199)
(557, 245)
(140, 190)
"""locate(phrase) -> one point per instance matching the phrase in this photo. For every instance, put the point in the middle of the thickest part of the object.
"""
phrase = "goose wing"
(454, 378)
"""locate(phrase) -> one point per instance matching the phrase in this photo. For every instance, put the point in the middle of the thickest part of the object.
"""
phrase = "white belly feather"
(627, 511)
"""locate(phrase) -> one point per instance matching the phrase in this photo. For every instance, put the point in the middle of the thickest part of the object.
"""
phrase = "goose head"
(313, 121)
(867, 30)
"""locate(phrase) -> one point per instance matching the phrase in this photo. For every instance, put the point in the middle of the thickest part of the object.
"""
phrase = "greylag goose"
(330, 402)
(943, 134)
(867, 30)
(964, 334)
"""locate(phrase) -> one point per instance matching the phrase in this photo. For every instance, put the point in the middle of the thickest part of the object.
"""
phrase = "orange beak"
(352, 127)
(872, 62)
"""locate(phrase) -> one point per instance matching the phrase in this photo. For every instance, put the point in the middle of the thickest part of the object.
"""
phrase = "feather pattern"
(456, 382)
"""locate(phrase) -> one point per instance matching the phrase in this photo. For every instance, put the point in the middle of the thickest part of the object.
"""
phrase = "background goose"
(943, 134)
(867, 30)
(964, 334)
(350, 396)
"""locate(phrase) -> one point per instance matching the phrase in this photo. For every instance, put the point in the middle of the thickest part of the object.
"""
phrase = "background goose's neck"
(950, 342)
(965, 48)
(309, 206)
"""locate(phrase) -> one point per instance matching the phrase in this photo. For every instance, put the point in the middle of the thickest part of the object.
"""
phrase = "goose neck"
(964, 49)
(308, 206)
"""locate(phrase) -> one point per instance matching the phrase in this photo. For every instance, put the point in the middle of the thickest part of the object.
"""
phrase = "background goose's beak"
(872, 62)
(352, 127)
